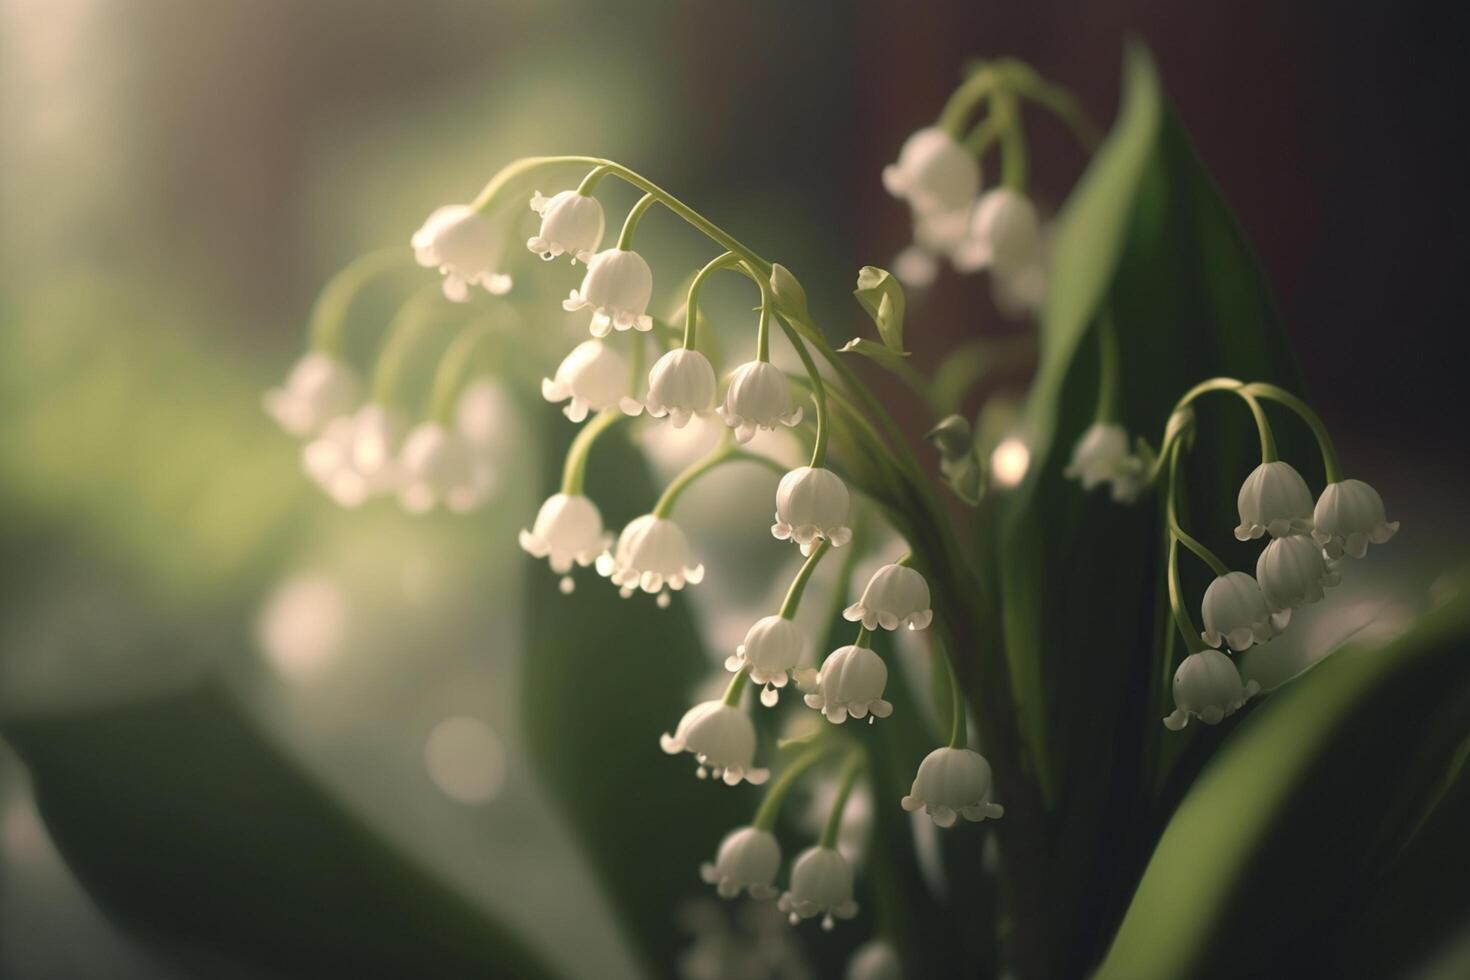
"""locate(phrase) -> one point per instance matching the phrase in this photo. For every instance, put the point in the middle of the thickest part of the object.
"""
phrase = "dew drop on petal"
(567, 586)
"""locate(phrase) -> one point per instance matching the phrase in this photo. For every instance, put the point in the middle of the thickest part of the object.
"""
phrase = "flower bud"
(759, 397)
(463, 245)
(568, 529)
(1274, 499)
(1207, 686)
(571, 223)
(747, 860)
(1292, 572)
(318, 389)
(593, 376)
(812, 503)
(722, 740)
(850, 682)
(933, 173)
(617, 286)
(951, 783)
(1348, 517)
(1235, 612)
(896, 596)
(821, 884)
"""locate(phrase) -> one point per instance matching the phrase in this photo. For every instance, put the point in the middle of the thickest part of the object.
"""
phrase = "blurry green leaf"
(1146, 232)
(885, 356)
(1286, 841)
(882, 296)
(191, 828)
(790, 296)
(959, 464)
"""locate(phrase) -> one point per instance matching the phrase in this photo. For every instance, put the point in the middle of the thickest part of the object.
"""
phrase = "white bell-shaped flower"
(486, 416)
(589, 379)
(1349, 516)
(464, 245)
(568, 530)
(1207, 686)
(1274, 499)
(850, 682)
(821, 884)
(1021, 291)
(652, 554)
(1004, 234)
(442, 468)
(318, 389)
(722, 740)
(953, 783)
(772, 649)
(875, 959)
(933, 173)
(1235, 612)
(681, 385)
(916, 267)
(747, 860)
(571, 224)
(617, 287)
(1292, 572)
(356, 456)
(759, 397)
(896, 596)
(1104, 455)
(812, 503)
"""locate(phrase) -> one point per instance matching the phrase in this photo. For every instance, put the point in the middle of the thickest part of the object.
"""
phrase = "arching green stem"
(864, 638)
(1263, 426)
(1204, 554)
(763, 335)
(1024, 80)
(574, 470)
(635, 215)
(736, 688)
(723, 453)
(958, 736)
(770, 808)
(589, 183)
(798, 584)
(404, 331)
(1192, 641)
(453, 372)
(846, 781)
(1241, 389)
(1110, 367)
(1325, 446)
(963, 102)
(1013, 162)
(326, 330)
(691, 304)
(984, 135)
(819, 394)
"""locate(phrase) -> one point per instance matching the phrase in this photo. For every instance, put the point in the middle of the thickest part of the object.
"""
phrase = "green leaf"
(193, 829)
(885, 356)
(882, 296)
(1281, 853)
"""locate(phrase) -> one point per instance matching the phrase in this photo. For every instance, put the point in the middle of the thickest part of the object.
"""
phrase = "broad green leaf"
(1079, 577)
(1319, 805)
(882, 296)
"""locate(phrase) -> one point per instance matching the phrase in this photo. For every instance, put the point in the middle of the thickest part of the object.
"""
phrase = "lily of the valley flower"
(772, 649)
(896, 596)
(759, 397)
(441, 468)
(356, 456)
(812, 503)
(747, 860)
(850, 682)
(1207, 686)
(1292, 572)
(652, 554)
(953, 783)
(617, 287)
(821, 884)
(933, 173)
(681, 385)
(571, 223)
(1348, 517)
(1235, 612)
(1274, 500)
(1103, 455)
(485, 415)
(722, 740)
(318, 389)
(568, 529)
(589, 379)
(464, 245)
(1004, 235)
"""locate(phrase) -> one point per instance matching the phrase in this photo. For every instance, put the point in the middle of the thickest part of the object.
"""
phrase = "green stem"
(736, 688)
(635, 215)
(327, 326)
(971, 92)
(1263, 427)
(589, 183)
(770, 808)
(1192, 641)
(1109, 407)
(983, 136)
(798, 584)
(404, 331)
(691, 304)
(819, 393)
(1330, 461)
(864, 638)
(958, 736)
(453, 372)
(844, 789)
(574, 470)
(1204, 554)
(1247, 394)
(763, 335)
(1024, 80)
(1013, 163)
(723, 453)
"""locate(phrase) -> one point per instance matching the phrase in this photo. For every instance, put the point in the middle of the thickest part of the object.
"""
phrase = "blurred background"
(178, 180)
